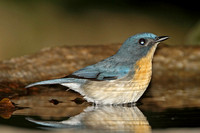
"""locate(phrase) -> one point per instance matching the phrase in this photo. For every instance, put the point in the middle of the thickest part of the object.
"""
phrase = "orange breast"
(143, 70)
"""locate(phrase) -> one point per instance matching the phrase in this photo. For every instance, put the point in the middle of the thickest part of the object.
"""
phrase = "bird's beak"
(161, 38)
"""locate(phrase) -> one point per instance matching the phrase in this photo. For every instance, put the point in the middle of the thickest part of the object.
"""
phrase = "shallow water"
(111, 119)
(57, 111)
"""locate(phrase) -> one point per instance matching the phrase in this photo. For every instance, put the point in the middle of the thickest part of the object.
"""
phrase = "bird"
(119, 79)
(104, 118)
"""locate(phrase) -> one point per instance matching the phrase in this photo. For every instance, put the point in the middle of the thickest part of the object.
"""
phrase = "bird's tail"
(53, 124)
(57, 81)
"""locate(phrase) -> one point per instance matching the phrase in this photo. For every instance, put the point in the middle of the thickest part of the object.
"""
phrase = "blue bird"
(118, 79)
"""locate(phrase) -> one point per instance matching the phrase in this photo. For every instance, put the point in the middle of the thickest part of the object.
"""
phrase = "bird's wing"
(102, 73)
(104, 70)
(88, 73)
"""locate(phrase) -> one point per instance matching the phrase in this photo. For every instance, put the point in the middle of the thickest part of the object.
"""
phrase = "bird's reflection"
(110, 118)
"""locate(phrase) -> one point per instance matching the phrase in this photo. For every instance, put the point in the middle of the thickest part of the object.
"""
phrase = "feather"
(57, 81)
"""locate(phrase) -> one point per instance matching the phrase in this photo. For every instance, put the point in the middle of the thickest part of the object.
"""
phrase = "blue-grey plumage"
(121, 78)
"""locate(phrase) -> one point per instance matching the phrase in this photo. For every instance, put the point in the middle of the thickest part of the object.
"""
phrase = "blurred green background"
(26, 26)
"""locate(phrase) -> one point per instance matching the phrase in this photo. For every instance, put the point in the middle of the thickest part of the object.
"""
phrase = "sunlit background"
(26, 26)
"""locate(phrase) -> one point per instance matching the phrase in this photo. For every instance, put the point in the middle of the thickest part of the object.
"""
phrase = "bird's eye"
(142, 41)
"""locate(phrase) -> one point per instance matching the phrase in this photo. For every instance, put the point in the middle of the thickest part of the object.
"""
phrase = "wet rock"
(6, 108)
(39, 104)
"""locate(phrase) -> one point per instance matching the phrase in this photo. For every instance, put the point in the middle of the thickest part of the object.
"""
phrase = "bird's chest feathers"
(143, 71)
(143, 68)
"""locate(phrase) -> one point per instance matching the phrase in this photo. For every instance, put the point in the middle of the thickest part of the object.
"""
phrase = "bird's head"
(139, 45)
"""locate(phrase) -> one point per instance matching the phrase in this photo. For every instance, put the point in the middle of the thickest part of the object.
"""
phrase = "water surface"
(64, 111)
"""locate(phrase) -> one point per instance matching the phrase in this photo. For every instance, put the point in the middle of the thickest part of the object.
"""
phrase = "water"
(57, 111)
(111, 119)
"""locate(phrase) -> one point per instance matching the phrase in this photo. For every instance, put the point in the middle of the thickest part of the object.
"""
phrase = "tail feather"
(56, 81)
(48, 123)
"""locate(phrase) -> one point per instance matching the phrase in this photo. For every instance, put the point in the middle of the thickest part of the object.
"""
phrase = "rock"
(6, 108)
